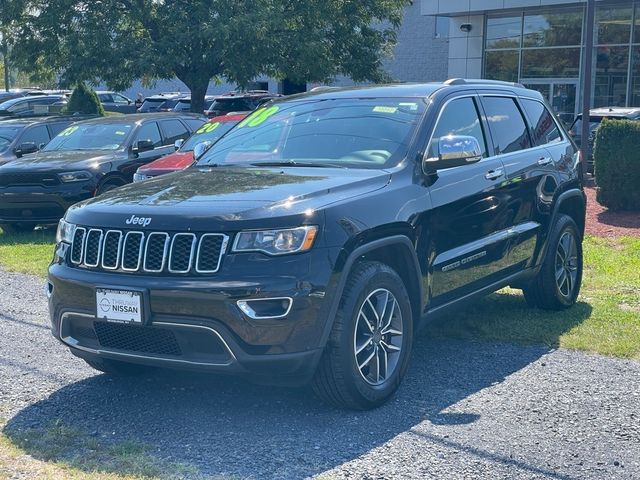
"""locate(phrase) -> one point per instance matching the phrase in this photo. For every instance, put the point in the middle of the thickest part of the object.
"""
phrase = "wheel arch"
(572, 203)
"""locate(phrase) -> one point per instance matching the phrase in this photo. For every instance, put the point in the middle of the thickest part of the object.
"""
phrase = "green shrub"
(84, 100)
(617, 164)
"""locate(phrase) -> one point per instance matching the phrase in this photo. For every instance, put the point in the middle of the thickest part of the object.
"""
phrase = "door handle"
(494, 174)
(542, 161)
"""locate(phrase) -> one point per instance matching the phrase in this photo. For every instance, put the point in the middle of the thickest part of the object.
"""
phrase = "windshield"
(209, 132)
(92, 136)
(8, 133)
(359, 133)
(226, 105)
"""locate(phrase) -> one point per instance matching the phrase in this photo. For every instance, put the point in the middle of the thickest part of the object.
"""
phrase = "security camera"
(466, 27)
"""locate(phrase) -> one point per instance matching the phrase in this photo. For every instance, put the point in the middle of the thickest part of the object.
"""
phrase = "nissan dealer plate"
(120, 306)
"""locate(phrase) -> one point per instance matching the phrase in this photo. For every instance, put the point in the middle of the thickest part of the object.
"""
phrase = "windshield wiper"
(293, 163)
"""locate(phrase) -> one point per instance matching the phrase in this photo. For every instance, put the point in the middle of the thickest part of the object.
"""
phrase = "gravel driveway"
(465, 410)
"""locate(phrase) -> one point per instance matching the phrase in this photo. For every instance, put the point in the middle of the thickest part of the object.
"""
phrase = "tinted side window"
(459, 117)
(119, 99)
(544, 128)
(194, 123)
(37, 135)
(508, 129)
(173, 130)
(56, 128)
(149, 131)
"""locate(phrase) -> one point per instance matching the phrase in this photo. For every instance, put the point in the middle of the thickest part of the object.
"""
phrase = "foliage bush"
(617, 164)
(84, 100)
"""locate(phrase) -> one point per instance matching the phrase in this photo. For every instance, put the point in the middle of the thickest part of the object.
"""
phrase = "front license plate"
(120, 306)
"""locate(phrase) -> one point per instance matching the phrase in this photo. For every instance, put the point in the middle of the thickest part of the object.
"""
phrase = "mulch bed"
(603, 223)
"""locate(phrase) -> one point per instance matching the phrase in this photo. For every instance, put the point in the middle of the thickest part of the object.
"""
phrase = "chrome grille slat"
(148, 252)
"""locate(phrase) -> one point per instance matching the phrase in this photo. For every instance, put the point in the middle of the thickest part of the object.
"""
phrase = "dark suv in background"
(596, 116)
(239, 102)
(312, 240)
(84, 160)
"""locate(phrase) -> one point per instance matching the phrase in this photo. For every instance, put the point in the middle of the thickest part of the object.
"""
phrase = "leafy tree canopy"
(118, 41)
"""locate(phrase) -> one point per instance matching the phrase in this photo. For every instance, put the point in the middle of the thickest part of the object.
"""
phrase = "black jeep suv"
(311, 242)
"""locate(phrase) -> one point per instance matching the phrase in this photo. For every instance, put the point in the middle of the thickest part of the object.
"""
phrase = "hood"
(175, 161)
(226, 198)
(62, 160)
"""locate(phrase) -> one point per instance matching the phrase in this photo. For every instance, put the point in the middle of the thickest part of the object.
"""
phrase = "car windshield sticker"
(259, 117)
(208, 127)
(410, 106)
(381, 109)
(120, 132)
(68, 131)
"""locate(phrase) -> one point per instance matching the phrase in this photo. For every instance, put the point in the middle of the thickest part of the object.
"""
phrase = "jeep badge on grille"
(144, 221)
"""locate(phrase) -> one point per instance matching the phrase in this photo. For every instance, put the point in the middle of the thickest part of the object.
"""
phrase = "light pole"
(586, 78)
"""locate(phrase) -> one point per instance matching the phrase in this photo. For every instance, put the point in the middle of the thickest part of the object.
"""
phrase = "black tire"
(26, 227)
(118, 369)
(557, 285)
(339, 380)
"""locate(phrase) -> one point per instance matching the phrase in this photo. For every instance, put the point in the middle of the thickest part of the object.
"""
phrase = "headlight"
(65, 232)
(138, 177)
(276, 242)
(80, 176)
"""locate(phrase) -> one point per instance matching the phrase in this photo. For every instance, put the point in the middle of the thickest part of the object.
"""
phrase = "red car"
(183, 157)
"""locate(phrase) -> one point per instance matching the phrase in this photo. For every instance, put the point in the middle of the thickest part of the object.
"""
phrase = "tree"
(84, 100)
(12, 14)
(118, 41)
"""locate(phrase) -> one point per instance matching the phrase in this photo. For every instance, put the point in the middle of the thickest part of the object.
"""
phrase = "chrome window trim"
(223, 248)
(191, 254)
(164, 252)
(115, 267)
(86, 240)
(244, 306)
(84, 235)
(140, 249)
(72, 342)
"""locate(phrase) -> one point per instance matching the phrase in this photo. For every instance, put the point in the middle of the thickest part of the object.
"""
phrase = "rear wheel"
(557, 285)
(367, 353)
(107, 186)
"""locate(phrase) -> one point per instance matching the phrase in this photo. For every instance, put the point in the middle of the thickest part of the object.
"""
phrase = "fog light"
(266, 308)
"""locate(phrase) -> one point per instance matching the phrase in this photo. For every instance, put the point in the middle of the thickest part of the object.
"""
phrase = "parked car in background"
(16, 93)
(31, 105)
(184, 104)
(596, 116)
(84, 160)
(239, 102)
(116, 102)
(162, 102)
(22, 136)
(210, 133)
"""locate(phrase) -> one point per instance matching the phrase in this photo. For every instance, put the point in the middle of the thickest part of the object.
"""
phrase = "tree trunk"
(4, 50)
(198, 87)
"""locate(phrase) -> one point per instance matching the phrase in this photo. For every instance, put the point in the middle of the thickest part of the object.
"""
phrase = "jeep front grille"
(148, 252)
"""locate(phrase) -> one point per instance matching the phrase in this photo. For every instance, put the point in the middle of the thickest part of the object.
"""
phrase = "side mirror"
(143, 146)
(25, 149)
(200, 149)
(455, 151)
(178, 143)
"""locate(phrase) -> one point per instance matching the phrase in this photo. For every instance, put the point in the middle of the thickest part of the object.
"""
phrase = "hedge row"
(617, 164)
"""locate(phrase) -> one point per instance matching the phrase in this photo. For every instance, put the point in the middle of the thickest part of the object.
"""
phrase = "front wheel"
(557, 285)
(367, 353)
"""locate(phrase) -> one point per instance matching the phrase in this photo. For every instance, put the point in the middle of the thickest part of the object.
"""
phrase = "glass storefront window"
(504, 32)
(610, 87)
(553, 29)
(634, 101)
(502, 65)
(613, 24)
(636, 27)
(551, 63)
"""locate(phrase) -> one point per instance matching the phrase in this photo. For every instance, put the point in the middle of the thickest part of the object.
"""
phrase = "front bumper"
(195, 323)
(36, 204)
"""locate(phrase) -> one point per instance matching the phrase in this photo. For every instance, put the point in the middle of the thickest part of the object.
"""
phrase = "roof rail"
(480, 81)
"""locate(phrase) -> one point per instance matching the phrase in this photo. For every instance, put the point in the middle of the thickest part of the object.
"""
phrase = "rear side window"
(459, 117)
(56, 128)
(149, 131)
(544, 129)
(194, 123)
(173, 130)
(508, 128)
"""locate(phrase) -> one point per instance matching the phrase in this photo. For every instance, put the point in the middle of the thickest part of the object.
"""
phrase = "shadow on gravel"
(224, 426)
